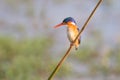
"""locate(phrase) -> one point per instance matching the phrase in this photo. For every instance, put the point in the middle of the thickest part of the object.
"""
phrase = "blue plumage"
(69, 19)
(72, 30)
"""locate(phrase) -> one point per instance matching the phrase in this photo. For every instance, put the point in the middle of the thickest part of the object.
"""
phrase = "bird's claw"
(71, 44)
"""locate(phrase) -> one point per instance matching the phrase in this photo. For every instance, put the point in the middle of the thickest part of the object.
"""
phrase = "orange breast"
(72, 32)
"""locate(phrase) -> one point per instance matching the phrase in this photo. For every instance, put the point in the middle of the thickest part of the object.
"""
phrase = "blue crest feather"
(69, 19)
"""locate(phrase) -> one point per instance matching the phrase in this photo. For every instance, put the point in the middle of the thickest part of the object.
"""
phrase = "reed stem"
(69, 49)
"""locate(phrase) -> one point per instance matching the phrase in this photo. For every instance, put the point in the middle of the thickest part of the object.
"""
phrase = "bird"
(72, 31)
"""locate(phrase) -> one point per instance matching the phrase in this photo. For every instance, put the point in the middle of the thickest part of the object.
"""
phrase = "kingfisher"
(72, 30)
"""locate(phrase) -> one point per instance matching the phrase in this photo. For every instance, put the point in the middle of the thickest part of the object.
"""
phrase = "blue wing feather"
(79, 40)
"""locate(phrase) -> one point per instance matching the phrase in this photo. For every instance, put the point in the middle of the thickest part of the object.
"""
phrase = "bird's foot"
(71, 44)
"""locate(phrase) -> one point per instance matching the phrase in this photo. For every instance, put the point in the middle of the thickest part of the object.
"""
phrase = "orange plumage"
(72, 30)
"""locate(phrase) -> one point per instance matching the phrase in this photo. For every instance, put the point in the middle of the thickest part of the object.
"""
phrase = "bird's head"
(66, 21)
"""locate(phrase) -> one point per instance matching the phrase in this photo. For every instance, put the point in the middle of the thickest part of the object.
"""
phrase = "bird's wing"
(79, 39)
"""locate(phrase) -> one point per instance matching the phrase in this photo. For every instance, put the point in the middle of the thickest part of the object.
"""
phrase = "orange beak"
(59, 25)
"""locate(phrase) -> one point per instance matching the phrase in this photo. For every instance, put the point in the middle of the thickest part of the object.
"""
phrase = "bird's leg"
(71, 44)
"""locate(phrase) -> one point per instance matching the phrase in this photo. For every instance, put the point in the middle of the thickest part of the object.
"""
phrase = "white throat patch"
(72, 23)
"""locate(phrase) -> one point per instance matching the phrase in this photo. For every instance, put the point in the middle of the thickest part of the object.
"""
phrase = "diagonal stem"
(69, 49)
(88, 20)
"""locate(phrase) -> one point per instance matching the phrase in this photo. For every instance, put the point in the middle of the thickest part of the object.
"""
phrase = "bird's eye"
(64, 22)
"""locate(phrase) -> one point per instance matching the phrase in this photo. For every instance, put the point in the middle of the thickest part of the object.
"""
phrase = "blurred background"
(30, 47)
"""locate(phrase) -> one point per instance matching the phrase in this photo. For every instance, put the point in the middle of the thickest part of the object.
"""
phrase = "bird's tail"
(76, 47)
(77, 44)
